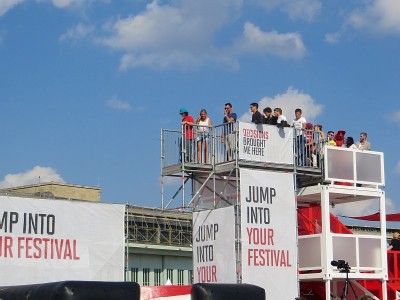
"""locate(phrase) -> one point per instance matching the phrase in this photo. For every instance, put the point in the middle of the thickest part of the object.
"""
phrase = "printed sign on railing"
(265, 143)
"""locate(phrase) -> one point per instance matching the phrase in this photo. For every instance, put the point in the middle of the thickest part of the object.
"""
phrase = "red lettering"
(6, 243)
(36, 244)
(207, 274)
(28, 247)
(260, 236)
(76, 257)
(20, 246)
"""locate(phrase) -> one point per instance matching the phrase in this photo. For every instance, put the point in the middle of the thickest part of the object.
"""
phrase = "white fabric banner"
(225, 192)
(268, 217)
(214, 257)
(265, 143)
(55, 240)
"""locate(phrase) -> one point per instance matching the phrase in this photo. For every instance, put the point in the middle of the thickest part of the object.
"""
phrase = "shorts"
(202, 137)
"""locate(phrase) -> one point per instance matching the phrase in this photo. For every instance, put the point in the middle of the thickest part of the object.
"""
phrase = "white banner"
(214, 257)
(214, 194)
(54, 240)
(269, 251)
(265, 143)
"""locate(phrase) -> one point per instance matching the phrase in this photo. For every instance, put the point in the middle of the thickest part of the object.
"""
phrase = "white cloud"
(305, 10)
(66, 3)
(397, 169)
(182, 34)
(118, 104)
(289, 101)
(165, 35)
(333, 38)
(378, 16)
(254, 40)
(33, 176)
(77, 33)
(6, 5)
(189, 26)
(395, 117)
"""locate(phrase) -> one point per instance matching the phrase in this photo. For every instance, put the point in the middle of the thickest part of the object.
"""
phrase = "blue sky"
(86, 85)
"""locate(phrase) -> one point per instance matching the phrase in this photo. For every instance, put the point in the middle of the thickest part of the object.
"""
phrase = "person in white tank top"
(204, 125)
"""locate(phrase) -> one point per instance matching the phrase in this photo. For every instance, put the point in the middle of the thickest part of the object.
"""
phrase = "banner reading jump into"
(268, 217)
(55, 240)
(265, 143)
(214, 259)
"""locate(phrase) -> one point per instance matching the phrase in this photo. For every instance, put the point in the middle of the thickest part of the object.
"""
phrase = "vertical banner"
(214, 257)
(265, 143)
(55, 240)
(268, 229)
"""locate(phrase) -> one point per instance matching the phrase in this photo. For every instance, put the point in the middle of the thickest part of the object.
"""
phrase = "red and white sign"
(165, 292)
(265, 143)
(214, 246)
(53, 240)
(268, 219)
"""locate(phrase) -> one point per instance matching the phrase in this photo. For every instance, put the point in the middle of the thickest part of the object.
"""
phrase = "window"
(134, 274)
(146, 276)
(170, 275)
(181, 277)
(157, 276)
(190, 276)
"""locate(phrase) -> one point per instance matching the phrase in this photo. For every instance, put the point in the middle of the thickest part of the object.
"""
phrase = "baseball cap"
(183, 110)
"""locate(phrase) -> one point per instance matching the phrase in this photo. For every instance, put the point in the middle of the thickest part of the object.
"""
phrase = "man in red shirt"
(187, 138)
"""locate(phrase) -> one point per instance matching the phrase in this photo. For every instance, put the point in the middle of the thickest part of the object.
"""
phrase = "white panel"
(214, 257)
(340, 164)
(372, 257)
(55, 240)
(353, 165)
(268, 219)
(344, 248)
(265, 143)
(369, 167)
(310, 252)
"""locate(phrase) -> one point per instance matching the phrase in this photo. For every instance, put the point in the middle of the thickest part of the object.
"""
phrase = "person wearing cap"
(187, 131)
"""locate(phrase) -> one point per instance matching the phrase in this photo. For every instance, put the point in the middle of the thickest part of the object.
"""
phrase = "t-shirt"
(331, 143)
(188, 129)
(298, 125)
(228, 128)
(366, 146)
(396, 244)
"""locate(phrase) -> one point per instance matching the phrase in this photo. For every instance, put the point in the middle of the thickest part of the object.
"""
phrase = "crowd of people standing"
(310, 139)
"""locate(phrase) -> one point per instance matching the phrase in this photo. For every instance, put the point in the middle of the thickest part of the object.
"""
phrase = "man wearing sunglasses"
(229, 136)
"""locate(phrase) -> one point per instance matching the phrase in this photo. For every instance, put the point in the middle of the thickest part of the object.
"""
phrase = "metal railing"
(220, 144)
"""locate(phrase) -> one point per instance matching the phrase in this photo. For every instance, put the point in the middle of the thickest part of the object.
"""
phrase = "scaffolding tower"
(323, 177)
